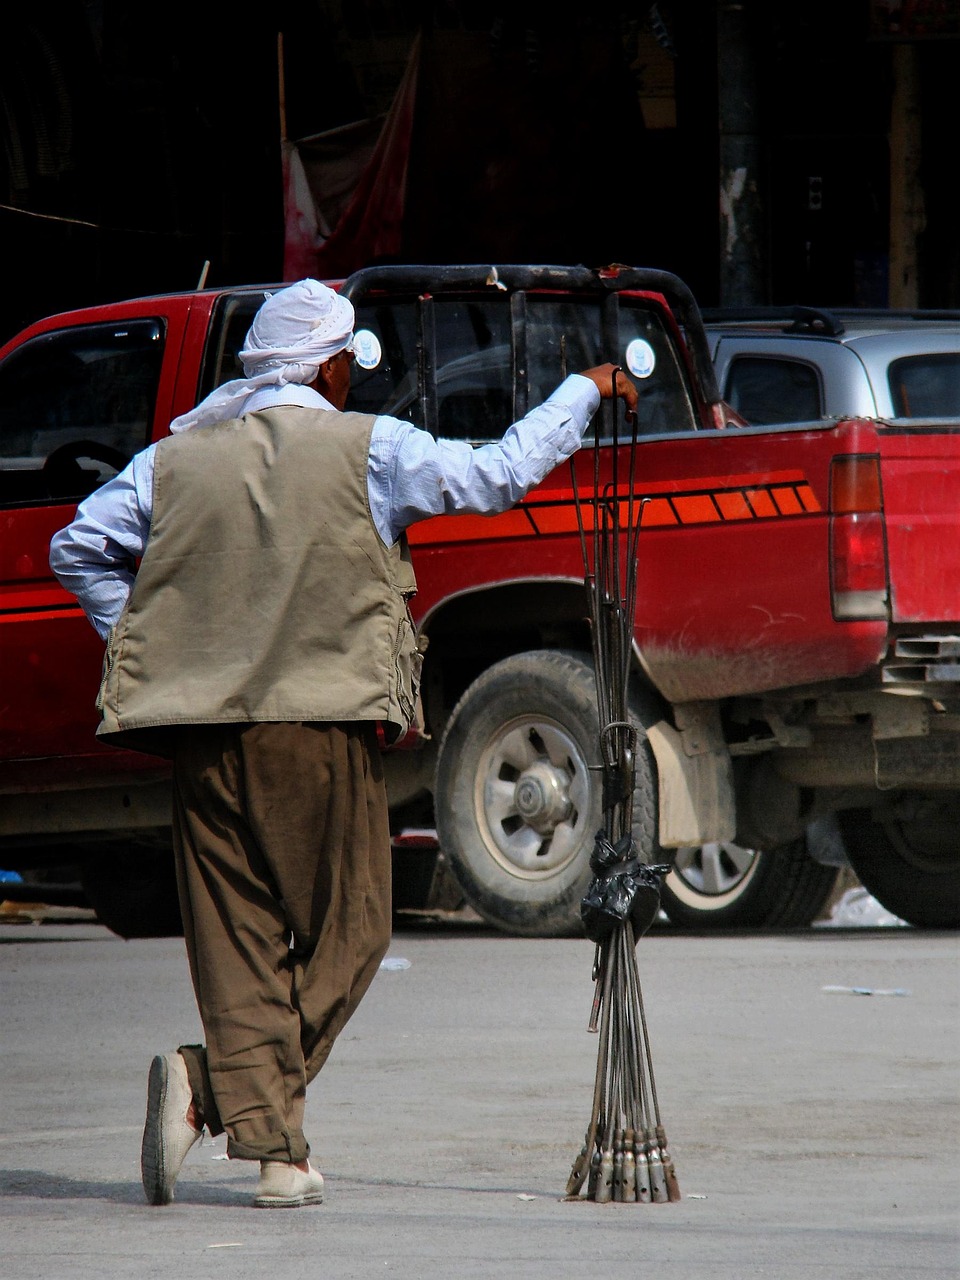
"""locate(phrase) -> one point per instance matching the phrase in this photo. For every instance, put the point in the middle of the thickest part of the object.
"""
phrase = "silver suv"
(777, 367)
(798, 365)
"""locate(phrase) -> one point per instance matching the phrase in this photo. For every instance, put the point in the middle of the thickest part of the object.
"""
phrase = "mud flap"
(696, 791)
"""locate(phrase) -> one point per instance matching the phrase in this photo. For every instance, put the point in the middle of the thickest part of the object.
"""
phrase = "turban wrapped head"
(295, 331)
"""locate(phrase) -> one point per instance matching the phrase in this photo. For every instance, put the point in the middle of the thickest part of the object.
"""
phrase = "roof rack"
(825, 321)
(813, 320)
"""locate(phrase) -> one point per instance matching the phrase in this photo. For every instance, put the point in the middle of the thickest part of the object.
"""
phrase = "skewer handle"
(578, 1174)
(629, 1168)
(618, 1188)
(604, 1192)
(658, 1181)
(669, 1173)
(594, 1179)
(644, 1188)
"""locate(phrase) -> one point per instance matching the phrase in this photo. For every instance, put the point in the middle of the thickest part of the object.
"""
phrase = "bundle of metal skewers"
(624, 1155)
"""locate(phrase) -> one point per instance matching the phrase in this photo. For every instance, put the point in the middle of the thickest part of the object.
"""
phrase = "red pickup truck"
(797, 637)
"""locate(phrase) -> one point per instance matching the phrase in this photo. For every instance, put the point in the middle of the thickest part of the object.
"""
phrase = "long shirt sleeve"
(95, 557)
(410, 477)
(413, 476)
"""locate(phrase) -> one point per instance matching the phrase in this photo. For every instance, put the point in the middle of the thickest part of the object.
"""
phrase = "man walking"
(263, 638)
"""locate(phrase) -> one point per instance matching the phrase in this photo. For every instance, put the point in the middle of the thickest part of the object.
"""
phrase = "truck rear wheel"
(517, 804)
(726, 886)
(909, 859)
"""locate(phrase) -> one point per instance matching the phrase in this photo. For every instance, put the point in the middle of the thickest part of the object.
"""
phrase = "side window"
(926, 386)
(767, 391)
(75, 406)
(229, 323)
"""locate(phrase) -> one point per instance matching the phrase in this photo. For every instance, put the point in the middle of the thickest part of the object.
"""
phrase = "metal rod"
(624, 1156)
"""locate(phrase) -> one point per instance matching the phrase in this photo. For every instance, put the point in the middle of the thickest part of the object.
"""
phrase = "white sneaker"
(167, 1134)
(284, 1186)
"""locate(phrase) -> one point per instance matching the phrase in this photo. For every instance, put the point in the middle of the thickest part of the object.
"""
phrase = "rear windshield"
(926, 386)
(566, 336)
(467, 366)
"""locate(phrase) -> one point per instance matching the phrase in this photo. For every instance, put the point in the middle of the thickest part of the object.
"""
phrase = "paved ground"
(815, 1134)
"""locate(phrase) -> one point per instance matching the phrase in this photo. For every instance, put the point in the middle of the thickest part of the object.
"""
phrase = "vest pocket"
(408, 665)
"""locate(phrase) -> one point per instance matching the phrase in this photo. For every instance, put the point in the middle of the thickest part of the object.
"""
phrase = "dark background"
(139, 143)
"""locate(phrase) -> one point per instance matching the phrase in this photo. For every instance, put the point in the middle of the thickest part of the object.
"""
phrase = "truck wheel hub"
(541, 797)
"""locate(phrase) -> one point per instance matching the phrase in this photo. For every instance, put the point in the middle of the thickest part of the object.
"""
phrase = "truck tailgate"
(920, 472)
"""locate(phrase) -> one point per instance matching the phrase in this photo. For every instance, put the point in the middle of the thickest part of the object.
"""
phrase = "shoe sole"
(151, 1151)
(288, 1202)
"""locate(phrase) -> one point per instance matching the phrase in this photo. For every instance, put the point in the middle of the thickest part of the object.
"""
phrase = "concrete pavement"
(815, 1134)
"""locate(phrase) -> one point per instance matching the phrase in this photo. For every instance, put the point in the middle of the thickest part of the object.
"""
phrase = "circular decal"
(366, 347)
(640, 358)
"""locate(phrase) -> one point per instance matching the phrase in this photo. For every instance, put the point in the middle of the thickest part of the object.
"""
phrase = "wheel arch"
(470, 630)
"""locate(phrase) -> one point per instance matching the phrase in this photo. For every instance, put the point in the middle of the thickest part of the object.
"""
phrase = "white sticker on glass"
(366, 346)
(640, 358)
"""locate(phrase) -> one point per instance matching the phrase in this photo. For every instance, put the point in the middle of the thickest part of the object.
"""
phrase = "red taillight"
(855, 484)
(858, 552)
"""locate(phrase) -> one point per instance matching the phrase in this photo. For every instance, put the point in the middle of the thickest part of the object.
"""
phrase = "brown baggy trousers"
(283, 864)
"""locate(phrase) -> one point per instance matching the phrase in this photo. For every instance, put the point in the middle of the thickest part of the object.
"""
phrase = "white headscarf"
(295, 331)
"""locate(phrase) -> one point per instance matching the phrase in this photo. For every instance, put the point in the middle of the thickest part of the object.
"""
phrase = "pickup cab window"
(231, 318)
(75, 406)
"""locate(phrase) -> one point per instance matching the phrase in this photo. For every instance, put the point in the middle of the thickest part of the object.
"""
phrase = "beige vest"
(265, 592)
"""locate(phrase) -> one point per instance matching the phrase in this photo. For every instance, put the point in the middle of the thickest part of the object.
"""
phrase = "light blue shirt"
(410, 476)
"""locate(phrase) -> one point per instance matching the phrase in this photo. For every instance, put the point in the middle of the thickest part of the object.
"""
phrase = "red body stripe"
(761, 502)
(734, 506)
(559, 515)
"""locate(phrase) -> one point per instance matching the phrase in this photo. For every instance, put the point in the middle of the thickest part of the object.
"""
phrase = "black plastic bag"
(622, 887)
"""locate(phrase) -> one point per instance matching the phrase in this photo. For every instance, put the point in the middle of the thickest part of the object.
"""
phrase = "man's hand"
(602, 378)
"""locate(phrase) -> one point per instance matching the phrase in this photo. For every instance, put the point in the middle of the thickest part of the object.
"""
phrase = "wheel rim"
(717, 869)
(532, 797)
